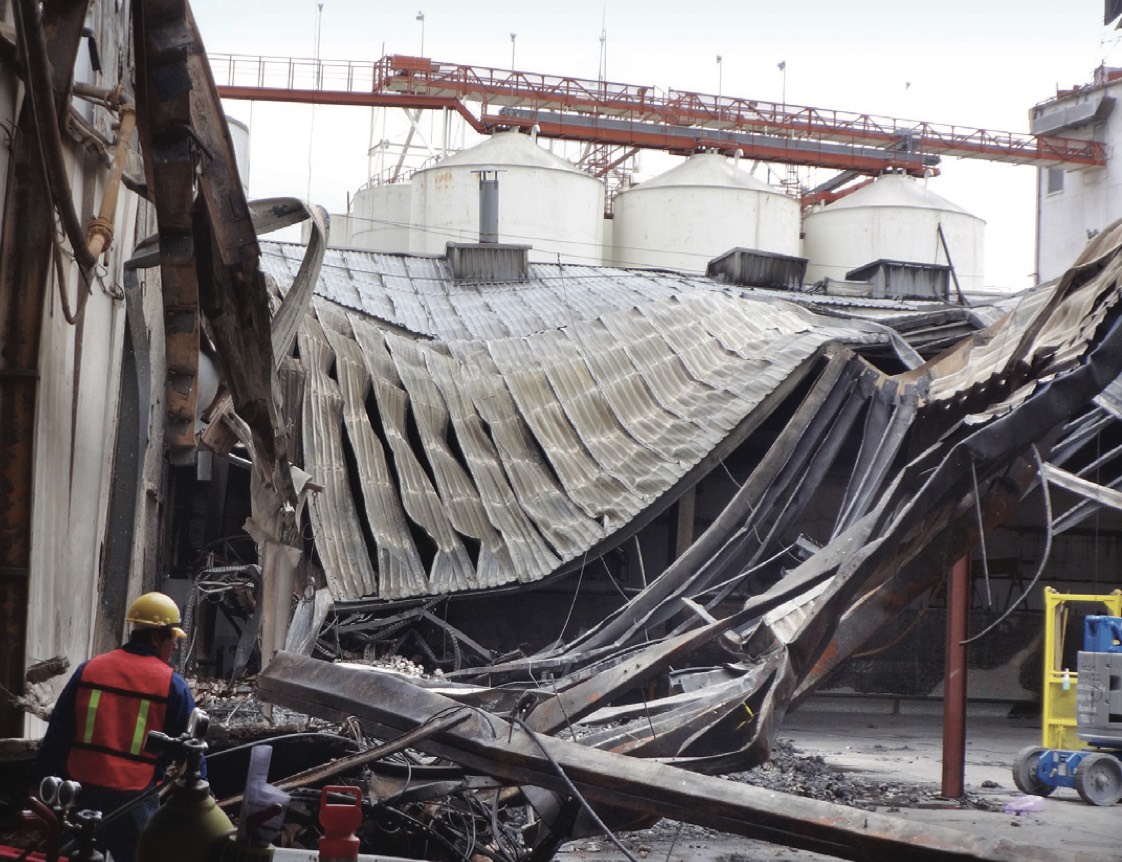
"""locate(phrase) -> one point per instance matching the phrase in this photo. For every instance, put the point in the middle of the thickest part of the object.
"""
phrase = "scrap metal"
(509, 750)
(354, 761)
(471, 436)
(939, 449)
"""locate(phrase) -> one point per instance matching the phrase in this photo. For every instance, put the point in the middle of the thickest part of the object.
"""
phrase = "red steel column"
(954, 680)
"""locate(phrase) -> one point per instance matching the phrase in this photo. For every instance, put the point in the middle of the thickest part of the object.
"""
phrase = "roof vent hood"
(488, 260)
(753, 267)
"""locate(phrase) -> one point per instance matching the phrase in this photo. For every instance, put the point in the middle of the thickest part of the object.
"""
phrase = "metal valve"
(58, 793)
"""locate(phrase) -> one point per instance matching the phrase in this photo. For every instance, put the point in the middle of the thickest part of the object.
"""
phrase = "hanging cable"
(1043, 557)
(573, 790)
(576, 595)
(981, 535)
(71, 316)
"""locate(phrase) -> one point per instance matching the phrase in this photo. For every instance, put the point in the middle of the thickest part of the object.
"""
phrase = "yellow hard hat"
(155, 611)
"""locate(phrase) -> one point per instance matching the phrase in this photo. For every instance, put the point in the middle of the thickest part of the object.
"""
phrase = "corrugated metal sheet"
(472, 436)
(338, 532)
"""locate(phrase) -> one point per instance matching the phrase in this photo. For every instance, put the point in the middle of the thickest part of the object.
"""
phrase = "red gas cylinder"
(339, 821)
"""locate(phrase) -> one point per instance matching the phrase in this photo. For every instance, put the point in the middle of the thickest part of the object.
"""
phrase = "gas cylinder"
(189, 827)
(339, 822)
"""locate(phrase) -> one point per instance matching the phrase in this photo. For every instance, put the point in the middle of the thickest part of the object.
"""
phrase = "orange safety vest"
(120, 697)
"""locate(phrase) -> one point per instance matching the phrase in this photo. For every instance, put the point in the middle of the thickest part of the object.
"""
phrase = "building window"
(1055, 180)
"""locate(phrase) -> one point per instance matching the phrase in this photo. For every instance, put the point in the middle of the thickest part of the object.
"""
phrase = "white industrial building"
(1074, 205)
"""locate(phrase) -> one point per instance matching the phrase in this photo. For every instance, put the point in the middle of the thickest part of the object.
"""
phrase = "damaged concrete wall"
(74, 368)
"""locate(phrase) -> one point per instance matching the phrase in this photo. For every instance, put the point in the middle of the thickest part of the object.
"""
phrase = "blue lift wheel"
(1026, 772)
(1098, 779)
(1095, 775)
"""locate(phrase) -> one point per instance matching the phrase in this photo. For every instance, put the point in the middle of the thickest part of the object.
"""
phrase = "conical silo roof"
(510, 149)
(707, 170)
(897, 190)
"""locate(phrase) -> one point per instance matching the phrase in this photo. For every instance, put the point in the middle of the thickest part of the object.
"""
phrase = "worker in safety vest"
(97, 729)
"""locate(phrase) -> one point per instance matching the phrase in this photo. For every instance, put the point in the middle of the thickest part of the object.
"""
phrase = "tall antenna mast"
(604, 46)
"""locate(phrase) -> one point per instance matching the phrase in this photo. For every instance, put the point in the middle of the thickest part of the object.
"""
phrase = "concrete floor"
(902, 742)
(907, 746)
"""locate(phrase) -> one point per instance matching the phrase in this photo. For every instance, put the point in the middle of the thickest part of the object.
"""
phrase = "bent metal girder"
(489, 744)
(208, 246)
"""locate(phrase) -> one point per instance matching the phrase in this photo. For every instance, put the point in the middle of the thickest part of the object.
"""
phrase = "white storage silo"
(699, 210)
(895, 218)
(544, 201)
(379, 218)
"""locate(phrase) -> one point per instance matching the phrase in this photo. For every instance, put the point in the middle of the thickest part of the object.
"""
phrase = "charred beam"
(489, 744)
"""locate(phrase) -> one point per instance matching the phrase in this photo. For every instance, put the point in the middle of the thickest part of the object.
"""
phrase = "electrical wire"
(911, 627)
(211, 755)
(468, 235)
(1043, 557)
(576, 595)
(981, 535)
(573, 790)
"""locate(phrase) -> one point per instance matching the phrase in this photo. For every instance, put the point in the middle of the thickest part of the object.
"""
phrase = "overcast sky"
(976, 63)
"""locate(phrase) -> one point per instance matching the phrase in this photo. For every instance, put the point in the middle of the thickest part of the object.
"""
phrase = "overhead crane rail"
(606, 112)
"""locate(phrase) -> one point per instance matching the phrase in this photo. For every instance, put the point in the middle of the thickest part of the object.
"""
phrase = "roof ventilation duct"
(488, 205)
(487, 260)
(755, 268)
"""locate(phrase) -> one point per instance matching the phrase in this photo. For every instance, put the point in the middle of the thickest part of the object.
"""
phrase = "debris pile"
(572, 788)
(788, 771)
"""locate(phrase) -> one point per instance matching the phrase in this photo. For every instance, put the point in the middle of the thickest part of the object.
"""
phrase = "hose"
(41, 101)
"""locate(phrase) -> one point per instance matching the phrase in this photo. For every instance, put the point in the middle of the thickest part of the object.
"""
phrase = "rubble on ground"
(809, 775)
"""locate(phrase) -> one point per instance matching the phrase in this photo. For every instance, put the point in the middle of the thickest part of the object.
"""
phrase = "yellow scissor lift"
(1063, 759)
(1058, 709)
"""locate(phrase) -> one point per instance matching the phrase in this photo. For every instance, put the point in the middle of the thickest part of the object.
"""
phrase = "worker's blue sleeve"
(54, 747)
(181, 703)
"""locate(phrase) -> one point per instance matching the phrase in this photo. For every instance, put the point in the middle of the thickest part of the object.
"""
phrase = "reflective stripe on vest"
(91, 716)
(141, 727)
(121, 696)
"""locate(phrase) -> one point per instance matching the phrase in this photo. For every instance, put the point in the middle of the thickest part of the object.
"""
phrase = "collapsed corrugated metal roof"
(545, 444)
(956, 445)
(501, 432)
